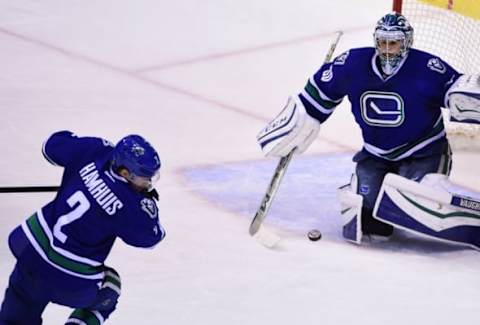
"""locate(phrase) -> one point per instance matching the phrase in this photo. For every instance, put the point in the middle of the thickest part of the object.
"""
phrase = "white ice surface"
(199, 79)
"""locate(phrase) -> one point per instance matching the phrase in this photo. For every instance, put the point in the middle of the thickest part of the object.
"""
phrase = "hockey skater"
(106, 192)
(396, 93)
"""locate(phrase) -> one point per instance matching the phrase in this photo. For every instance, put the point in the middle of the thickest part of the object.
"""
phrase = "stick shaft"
(28, 189)
(282, 166)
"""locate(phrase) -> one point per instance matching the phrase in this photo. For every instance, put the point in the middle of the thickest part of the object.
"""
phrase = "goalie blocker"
(429, 209)
(463, 99)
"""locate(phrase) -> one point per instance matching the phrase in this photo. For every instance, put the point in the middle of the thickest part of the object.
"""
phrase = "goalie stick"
(265, 237)
(28, 189)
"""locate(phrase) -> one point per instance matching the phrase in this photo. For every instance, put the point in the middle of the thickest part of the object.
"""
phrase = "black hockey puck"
(314, 235)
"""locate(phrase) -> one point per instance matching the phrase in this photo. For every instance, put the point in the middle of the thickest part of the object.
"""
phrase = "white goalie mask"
(393, 38)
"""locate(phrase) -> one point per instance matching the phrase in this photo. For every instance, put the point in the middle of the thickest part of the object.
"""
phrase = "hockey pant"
(31, 289)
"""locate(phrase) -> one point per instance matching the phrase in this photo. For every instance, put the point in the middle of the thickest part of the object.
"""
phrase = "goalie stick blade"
(266, 237)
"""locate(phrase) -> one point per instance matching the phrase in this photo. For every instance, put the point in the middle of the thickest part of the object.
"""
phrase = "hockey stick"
(268, 238)
(28, 189)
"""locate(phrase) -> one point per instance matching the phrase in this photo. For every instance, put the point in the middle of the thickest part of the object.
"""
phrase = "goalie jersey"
(399, 115)
(76, 231)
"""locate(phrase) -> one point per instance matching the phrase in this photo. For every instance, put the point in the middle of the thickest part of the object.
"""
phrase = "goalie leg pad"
(428, 209)
(292, 128)
(351, 205)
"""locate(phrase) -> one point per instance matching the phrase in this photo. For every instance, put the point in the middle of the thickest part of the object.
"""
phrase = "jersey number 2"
(80, 204)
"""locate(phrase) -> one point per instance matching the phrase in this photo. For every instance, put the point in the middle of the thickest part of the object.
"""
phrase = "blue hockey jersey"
(76, 231)
(400, 115)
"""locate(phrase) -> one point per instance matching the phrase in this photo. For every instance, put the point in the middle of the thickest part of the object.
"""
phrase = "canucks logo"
(149, 207)
(383, 109)
(436, 65)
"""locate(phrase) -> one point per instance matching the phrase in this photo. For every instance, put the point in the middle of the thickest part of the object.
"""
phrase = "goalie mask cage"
(449, 29)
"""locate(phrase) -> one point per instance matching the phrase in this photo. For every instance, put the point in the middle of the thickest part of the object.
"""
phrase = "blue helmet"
(137, 155)
(393, 27)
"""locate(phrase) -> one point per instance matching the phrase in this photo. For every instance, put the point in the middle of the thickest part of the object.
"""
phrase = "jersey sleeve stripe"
(315, 95)
(315, 104)
(313, 83)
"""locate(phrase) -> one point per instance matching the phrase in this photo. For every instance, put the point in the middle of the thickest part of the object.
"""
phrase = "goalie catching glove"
(464, 98)
(292, 128)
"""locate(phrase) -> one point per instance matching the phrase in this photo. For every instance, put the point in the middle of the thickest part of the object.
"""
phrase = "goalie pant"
(33, 284)
(369, 174)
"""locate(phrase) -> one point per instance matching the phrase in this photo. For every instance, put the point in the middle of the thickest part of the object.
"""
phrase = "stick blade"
(266, 237)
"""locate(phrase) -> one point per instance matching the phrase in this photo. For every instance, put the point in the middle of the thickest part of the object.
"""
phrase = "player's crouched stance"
(106, 192)
(401, 176)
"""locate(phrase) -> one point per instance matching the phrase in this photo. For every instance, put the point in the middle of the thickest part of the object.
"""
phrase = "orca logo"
(149, 207)
(436, 65)
(382, 109)
(341, 59)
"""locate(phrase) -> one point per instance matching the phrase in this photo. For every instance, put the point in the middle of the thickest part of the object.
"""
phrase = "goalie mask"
(393, 39)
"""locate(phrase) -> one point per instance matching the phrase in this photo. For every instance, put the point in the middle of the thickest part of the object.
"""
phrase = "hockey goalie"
(396, 94)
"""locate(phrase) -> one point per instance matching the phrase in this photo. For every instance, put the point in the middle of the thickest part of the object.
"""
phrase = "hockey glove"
(292, 128)
(463, 98)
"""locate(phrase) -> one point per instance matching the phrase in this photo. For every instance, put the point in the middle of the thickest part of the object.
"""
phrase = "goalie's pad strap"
(428, 211)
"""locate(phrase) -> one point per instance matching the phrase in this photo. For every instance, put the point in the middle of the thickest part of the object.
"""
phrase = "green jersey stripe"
(437, 129)
(63, 262)
(315, 95)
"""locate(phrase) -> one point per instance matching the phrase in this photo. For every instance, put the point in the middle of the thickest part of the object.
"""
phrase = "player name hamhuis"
(99, 190)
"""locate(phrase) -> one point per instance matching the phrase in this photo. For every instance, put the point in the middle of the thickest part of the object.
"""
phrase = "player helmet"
(140, 159)
(392, 30)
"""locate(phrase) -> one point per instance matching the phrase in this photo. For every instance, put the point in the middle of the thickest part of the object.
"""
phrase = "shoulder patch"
(327, 75)
(341, 59)
(436, 65)
(149, 206)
